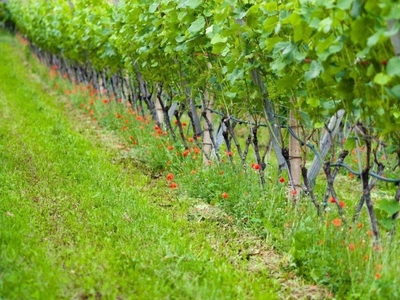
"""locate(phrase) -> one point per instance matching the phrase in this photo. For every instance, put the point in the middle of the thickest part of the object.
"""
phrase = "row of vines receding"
(309, 80)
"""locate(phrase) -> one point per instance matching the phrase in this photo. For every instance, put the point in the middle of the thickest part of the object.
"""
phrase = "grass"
(80, 221)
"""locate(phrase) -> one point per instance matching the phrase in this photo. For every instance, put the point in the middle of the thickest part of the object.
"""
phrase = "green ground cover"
(79, 221)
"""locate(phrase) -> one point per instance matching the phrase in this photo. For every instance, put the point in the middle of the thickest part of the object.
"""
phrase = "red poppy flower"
(186, 152)
(173, 185)
(225, 195)
(337, 222)
(170, 176)
(281, 180)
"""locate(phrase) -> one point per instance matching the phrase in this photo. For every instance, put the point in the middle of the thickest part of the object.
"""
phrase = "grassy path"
(76, 225)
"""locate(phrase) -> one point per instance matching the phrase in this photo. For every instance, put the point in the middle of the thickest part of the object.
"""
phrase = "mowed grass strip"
(75, 225)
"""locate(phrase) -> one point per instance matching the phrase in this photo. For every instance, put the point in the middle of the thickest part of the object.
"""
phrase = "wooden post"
(295, 156)
(159, 106)
(207, 135)
(325, 144)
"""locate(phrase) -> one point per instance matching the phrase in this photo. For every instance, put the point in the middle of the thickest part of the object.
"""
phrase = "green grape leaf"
(313, 102)
(344, 4)
(197, 25)
(218, 39)
(389, 206)
(393, 66)
(357, 33)
(395, 91)
(381, 78)
(315, 69)
(375, 38)
(193, 4)
(153, 7)
(325, 25)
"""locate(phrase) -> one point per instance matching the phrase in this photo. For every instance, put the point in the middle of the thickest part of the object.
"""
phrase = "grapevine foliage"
(325, 55)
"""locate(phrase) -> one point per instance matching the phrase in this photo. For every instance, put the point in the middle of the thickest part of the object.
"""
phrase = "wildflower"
(190, 139)
(332, 200)
(377, 276)
(119, 116)
(281, 180)
(225, 195)
(294, 192)
(124, 128)
(126, 121)
(184, 124)
(105, 101)
(170, 176)
(360, 225)
(170, 147)
(337, 222)
(193, 172)
(186, 152)
(229, 153)
(196, 150)
(119, 100)
(352, 247)
(342, 204)
(256, 167)
(351, 175)
(173, 185)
